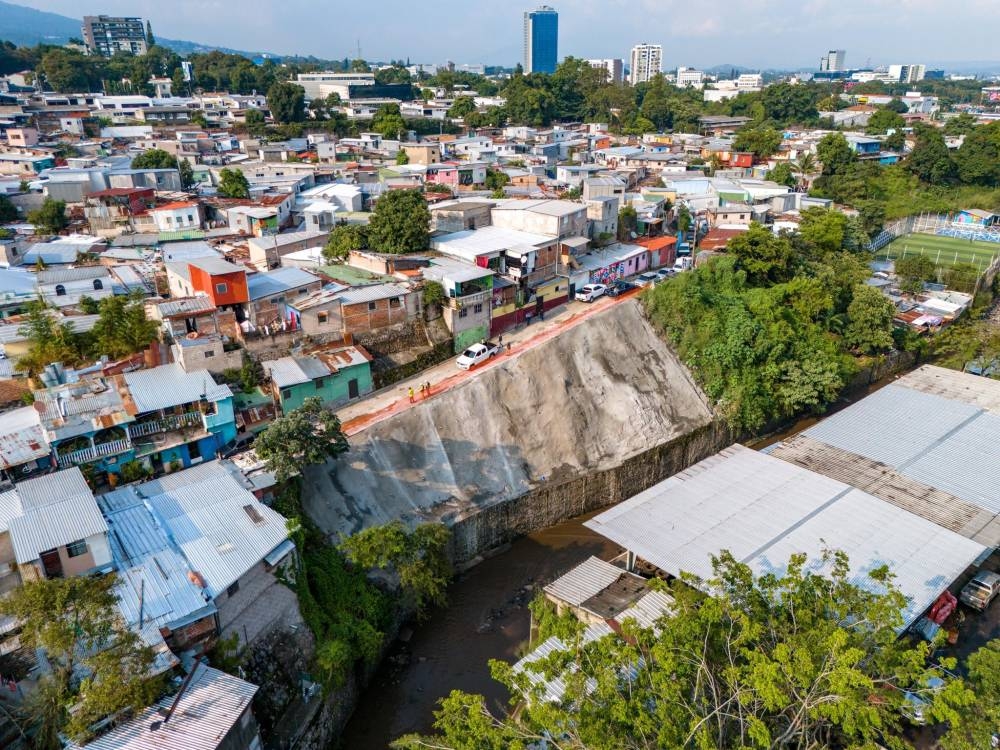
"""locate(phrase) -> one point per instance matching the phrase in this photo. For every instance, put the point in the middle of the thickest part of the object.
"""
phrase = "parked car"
(591, 292)
(477, 354)
(665, 273)
(979, 592)
(647, 279)
(619, 287)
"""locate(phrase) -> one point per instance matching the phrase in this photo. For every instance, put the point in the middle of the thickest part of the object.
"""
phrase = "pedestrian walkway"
(395, 399)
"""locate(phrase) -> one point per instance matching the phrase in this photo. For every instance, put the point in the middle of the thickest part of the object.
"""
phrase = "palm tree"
(804, 167)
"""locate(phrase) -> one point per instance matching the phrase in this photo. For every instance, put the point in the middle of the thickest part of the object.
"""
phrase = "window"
(395, 302)
(319, 383)
(60, 290)
(231, 591)
(372, 306)
(98, 284)
(323, 317)
(190, 218)
(77, 548)
(286, 394)
(477, 308)
(221, 288)
(463, 312)
(209, 354)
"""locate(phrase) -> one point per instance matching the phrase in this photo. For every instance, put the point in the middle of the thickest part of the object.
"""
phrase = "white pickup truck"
(477, 354)
(684, 263)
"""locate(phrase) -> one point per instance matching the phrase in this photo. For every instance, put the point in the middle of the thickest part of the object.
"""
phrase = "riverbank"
(487, 618)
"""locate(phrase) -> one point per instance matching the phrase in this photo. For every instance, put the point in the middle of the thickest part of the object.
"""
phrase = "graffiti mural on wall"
(608, 274)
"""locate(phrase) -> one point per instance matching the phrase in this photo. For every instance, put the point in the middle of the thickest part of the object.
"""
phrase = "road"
(394, 399)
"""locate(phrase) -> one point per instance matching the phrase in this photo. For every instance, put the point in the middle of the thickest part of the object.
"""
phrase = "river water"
(487, 618)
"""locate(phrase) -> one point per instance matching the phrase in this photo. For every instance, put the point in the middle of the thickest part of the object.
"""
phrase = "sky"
(786, 34)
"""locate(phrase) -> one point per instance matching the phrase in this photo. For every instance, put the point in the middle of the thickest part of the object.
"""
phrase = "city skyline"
(783, 34)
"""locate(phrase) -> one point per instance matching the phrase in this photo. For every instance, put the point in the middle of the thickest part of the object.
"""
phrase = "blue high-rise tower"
(541, 40)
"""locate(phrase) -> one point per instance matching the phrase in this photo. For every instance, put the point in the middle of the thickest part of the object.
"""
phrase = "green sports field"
(944, 251)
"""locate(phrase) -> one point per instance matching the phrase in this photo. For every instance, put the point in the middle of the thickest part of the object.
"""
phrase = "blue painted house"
(163, 418)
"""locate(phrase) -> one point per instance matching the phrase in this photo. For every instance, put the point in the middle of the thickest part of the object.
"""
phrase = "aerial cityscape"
(556, 377)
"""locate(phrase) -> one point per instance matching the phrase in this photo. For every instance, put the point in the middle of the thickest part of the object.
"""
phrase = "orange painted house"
(224, 282)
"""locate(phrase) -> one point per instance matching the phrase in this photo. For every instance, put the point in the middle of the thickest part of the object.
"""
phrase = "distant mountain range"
(27, 27)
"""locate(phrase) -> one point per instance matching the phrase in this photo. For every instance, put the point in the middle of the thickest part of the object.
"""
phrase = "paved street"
(393, 400)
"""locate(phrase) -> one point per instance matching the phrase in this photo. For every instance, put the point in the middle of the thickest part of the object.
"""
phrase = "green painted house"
(335, 374)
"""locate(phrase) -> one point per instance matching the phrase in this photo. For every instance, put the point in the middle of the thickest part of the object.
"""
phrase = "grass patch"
(943, 251)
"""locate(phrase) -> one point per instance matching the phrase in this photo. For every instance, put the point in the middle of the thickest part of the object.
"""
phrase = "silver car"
(980, 591)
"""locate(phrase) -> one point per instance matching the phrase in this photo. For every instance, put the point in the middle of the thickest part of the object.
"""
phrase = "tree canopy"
(233, 183)
(287, 102)
(303, 437)
(400, 223)
(343, 239)
(50, 217)
(122, 327)
(155, 158)
(771, 661)
(76, 621)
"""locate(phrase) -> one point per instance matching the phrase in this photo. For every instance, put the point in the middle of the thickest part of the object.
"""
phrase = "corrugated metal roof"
(10, 508)
(587, 579)
(22, 438)
(58, 509)
(207, 712)
(62, 275)
(215, 265)
(763, 510)
(169, 385)
(200, 303)
(360, 294)
(204, 513)
(278, 281)
(955, 386)
(286, 372)
(471, 243)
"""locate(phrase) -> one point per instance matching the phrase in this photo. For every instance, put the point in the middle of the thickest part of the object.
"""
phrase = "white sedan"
(476, 354)
(591, 292)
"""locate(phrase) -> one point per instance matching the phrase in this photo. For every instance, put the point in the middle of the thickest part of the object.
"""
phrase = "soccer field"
(944, 251)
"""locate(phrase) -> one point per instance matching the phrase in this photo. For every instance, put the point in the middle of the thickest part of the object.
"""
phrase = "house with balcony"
(335, 374)
(51, 527)
(165, 418)
(113, 211)
(469, 291)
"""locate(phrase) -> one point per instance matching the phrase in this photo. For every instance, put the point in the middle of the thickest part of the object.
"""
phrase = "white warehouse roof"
(763, 510)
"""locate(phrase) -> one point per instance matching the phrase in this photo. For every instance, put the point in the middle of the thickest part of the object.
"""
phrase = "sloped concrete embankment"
(588, 419)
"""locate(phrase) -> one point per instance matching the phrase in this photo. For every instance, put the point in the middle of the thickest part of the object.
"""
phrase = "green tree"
(883, 120)
(871, 216)
(389, 122)
(77, 624)
(49, 340)
(767, 663)
(978, 158)
(50, 218)
(761, 142)
(122, 327)
(930, 159)
(496, 179)
(834, 153)
(463, 106)
(628, 222)
(913, 271)
(402, 158)
(255, 122)
(433, 294)
(978, 725)
(187, 174)
(400, 223)
(343, 239)
(782, 174)
(306, 436)
(898, 106)
(787, 104)
(8, 211)
(233, 183)
(251, 373)
(150, 39)
(765, 258)
(825, 229)
(419, 557)
(155, 158)
(287, 102)
(870, 316)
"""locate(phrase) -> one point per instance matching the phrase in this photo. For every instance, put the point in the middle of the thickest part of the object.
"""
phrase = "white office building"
(833, 60)
(690, 78)
(614, 68)
(910, 73)
(645, 62)
(321, 85)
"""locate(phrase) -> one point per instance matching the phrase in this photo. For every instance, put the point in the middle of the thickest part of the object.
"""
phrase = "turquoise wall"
(334, 390)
